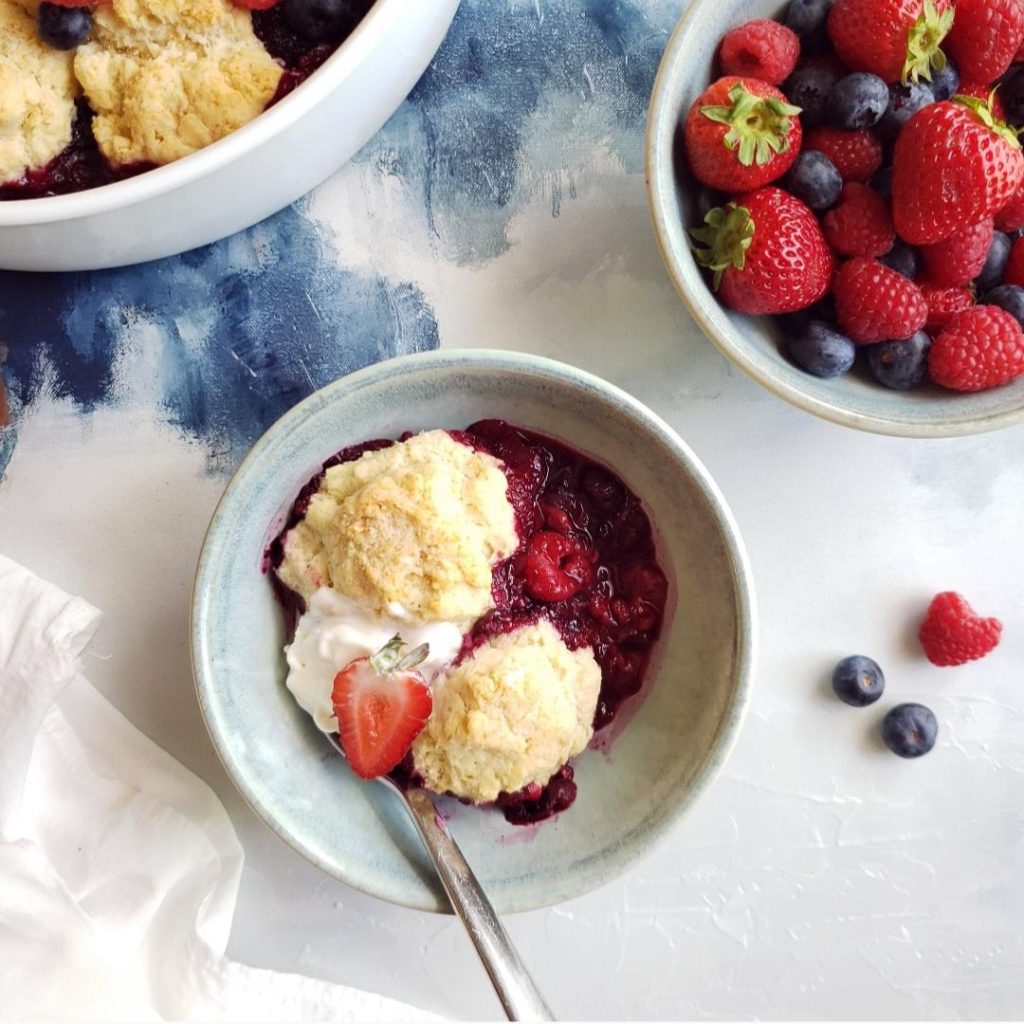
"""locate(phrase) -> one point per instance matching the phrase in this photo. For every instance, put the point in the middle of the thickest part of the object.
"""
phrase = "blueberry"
(1009, 297)
(815, 180)
(900, 364)
(63, 28)
(858, 101)
(820, 350)
(946, 82)
(904, 102)
(807, 19)
(902, 258)
(882, 182)
(809, 89)
(909, 730)
(319, 20)
(858, 681)
(1012, 94)
(995, 266)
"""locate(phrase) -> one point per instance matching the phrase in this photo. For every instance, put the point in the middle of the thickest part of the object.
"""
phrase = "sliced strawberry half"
(381, 703)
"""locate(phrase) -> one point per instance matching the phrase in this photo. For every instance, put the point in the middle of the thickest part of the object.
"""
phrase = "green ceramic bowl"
(669, 744)
(753, 343)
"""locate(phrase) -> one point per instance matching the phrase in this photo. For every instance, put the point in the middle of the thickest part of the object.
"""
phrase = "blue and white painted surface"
(504, 206)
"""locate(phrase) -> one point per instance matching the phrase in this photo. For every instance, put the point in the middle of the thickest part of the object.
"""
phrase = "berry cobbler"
(466, 608)
(92, 92)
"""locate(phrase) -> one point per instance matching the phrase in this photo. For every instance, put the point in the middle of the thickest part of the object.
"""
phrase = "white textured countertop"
(821, 877)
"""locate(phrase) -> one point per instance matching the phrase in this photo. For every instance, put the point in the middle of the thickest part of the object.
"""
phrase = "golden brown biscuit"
(37, 95)
(168, 77)
(411, 531)
(511, 714)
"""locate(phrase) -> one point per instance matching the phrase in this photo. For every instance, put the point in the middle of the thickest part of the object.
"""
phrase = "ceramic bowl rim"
(492, 360)
(271, 122)
(660, 174)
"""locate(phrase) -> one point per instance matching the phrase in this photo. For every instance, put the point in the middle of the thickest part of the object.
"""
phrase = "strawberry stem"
(984, 111)
(924, 42)
(725, 240)
(389, 658)
(759, 126)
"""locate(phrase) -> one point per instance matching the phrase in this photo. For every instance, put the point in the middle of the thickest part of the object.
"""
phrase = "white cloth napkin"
(119, 869)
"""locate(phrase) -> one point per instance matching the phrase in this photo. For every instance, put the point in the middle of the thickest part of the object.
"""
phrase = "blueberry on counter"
(858, 681)
(904, 102)
(858, 101)
(902, 258)
(319, 20)
(995, 266)
(945, 83)
(910, 730)
(1009, 297)
(900, 364)
(815, 180)
(820, 350)
(809, 89)
(63, 28)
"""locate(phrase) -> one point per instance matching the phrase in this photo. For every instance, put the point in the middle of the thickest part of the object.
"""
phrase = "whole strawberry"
(856, 155)
(767, 253)
(985, 37)
(978, 349)
(898, 40)
(953, 634)
(954, 166)
(943, 303)
(959, 259)
(874, 303)
(860, 224)
(761, 49)
(741, 134)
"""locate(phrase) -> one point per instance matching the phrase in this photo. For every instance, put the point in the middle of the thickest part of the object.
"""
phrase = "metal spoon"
(512, 982)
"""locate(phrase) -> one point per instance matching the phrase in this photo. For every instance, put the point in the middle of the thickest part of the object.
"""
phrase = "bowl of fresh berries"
(135, 129)
(837, 190)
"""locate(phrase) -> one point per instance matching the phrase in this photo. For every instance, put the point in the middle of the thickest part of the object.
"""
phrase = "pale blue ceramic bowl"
(670, 743)
(752, 343)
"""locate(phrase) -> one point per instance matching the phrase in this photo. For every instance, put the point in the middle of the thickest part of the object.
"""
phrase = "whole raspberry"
(943, 302)
(978, 349)
(952, 634)
(860, 225)
(761, 49)
(1014, 273)
(856, 155)
(874, 303)
(959, 259)
(1011, 217)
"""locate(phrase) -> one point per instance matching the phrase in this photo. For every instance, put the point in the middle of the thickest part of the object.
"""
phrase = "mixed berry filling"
(586, 562)
(299, 34)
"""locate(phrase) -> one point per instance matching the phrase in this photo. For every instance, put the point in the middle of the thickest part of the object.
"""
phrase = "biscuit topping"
(167, 77)
(37, 95)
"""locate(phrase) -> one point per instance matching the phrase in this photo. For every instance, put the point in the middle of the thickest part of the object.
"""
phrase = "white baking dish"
(247, 176)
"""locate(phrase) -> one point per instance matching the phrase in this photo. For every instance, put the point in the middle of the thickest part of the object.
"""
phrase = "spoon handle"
(512, 982)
